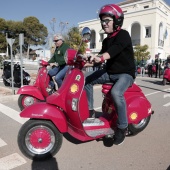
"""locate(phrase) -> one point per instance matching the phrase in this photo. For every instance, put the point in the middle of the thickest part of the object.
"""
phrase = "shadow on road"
(49, 164)
(168, 168)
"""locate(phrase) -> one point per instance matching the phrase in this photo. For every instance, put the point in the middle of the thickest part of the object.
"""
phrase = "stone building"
(147, 21)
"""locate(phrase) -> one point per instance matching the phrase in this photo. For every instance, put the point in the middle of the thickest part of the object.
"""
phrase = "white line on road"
(11, 161)
(12, 114)
(2, 143)
(166, 105)
(165, 90)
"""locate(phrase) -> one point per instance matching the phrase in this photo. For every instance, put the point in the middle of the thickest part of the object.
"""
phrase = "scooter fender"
(32, 91)
(46, 111)
(138, 108)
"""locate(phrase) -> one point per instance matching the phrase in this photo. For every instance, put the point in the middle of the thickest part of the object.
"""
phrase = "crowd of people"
(152, 67)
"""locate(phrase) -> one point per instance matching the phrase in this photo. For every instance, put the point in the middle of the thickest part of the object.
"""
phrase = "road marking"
(166, 105)
(152, 93)
(2, 143)
(13, 114)
(11, 161)
(165, 90)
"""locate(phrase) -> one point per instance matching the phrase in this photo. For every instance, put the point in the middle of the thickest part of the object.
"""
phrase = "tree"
(36, 33)
(140, 52)
(74, 39)
(3, 43)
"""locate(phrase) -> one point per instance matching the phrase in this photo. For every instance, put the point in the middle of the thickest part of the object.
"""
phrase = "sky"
(66, 11)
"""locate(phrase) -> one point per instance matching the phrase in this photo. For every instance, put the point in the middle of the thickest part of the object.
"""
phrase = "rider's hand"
(95, 59)
(88, 64)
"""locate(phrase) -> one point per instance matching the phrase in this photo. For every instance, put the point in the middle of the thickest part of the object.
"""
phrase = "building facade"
(147, 21)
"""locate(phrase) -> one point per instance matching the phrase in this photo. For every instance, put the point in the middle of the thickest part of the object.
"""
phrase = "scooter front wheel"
(136, 128)
(39, 139)
(26, 100)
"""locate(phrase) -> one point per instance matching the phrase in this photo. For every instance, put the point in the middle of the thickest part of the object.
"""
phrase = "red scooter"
(66, 111)
(30, 94)
(166, 75)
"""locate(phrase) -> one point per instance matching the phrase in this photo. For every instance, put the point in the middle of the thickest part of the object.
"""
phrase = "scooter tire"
(23, 104)
(39, 139)
(134, 129)
(164, 82)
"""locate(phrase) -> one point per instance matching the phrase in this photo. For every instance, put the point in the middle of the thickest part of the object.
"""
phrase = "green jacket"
(59, 53)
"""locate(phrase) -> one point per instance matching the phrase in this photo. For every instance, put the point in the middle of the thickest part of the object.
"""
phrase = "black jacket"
(121, 52)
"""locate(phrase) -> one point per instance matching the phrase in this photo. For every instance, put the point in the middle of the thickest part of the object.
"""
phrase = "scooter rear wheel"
(136, 128)
(26, 100)
(39, 139)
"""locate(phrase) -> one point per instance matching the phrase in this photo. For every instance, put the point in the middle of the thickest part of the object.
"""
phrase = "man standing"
(149, 65)
(142, 67)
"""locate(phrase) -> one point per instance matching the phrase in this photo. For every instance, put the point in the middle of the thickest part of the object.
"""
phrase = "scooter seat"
(107, 86)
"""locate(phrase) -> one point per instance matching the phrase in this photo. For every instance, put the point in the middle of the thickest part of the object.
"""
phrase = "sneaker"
(119, 136)
(92, 113)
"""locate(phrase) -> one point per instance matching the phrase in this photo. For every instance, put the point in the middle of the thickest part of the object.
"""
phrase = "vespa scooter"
(66, 111)
(37, 92)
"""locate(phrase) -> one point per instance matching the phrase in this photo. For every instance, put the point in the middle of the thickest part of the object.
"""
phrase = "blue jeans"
(122, 82)
(59, 72)
(52, 72)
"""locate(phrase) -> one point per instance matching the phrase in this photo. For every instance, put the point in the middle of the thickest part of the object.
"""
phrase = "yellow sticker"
(134, 116)
(74, 88)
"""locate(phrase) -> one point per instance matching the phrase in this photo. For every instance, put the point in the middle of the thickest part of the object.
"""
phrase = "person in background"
(59, 67)
(120, 66)
(142, 67)
(158, 66)
(149, 65)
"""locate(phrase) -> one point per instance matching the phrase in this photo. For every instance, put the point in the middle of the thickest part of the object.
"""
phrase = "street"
(149, 150)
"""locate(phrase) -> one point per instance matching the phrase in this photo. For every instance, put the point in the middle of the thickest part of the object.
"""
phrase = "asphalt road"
(149, 150)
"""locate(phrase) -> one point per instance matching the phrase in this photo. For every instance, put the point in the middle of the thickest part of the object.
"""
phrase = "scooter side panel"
(32, 91)
(138, 108)
(45, 111)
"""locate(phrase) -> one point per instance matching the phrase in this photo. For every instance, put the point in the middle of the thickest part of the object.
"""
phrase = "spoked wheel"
(136, 128)
(26, 100)
(39, 139)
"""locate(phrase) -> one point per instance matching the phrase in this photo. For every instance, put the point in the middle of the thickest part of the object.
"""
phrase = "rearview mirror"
(86, 34)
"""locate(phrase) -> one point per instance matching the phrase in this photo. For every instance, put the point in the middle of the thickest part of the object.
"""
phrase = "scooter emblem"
(74, 88)
(78, 77)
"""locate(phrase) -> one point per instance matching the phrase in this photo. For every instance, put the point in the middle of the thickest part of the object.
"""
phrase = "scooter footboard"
(45, 111)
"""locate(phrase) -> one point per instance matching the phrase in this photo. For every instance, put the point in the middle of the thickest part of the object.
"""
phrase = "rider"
(60, 68)
(117, 52)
